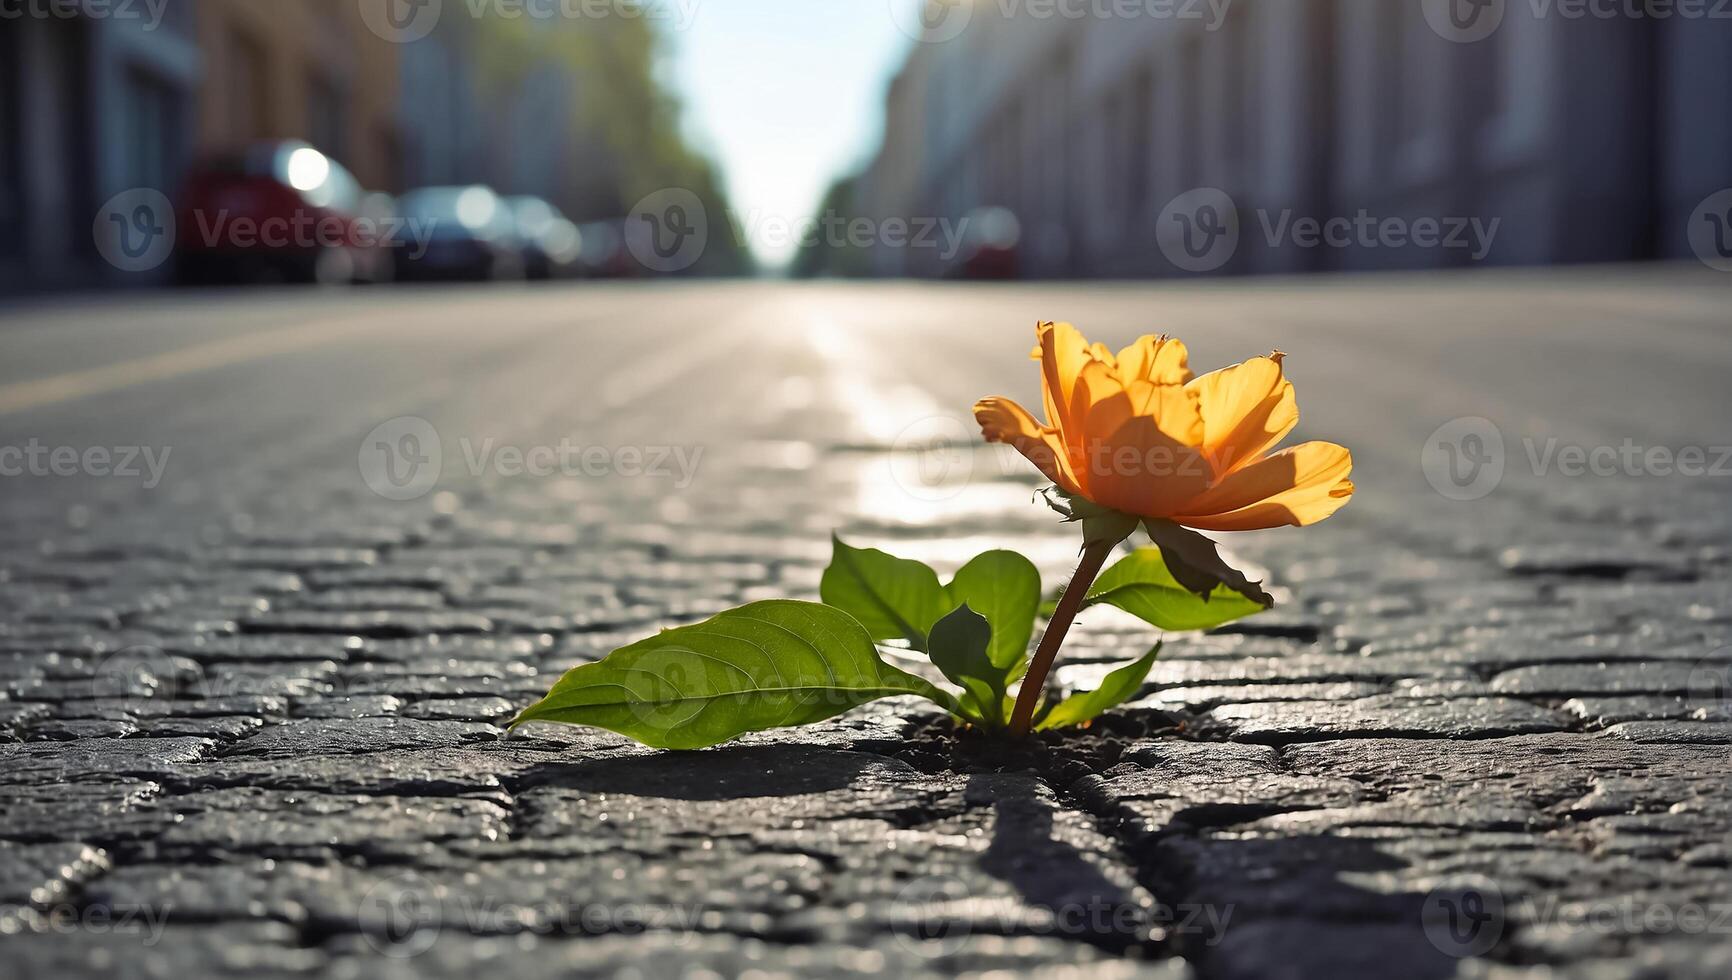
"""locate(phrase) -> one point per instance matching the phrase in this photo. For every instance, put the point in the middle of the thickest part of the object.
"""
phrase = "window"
(152, 131)
(1417, 77)
(1488, 75)
(1010, 151)
(1235, 99)
(1190, 116)
(179, 18)
(11, 85)
(248, 100)
(1248, 115)
(1138, 127)
(1392, 69)
(326, 125)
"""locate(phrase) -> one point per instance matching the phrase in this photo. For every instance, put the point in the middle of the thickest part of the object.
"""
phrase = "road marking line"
(21, 395)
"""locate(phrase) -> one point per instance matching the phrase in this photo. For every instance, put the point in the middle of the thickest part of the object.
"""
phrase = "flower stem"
(1093, 557)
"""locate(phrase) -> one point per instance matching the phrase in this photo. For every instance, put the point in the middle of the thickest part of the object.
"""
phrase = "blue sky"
(784, 94)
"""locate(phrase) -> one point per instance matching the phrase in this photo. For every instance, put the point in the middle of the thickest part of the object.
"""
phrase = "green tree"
(829, 252)
(623, 109)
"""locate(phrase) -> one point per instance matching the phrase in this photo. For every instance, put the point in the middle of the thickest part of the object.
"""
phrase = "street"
(279, 565)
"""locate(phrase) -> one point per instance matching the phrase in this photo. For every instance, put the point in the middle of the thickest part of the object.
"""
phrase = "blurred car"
(383, 230)
(462, 233)
(551, 244)
(602, 253)
(990, 236)
(274, 211)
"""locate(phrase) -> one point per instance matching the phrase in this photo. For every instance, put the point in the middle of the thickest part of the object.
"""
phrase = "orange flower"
(1136, 433)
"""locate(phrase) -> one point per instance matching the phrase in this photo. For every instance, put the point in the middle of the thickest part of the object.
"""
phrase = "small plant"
(1133, 440)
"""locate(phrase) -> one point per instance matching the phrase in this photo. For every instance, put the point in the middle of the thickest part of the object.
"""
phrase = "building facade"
(441, 113)
(308, 70)
(1582, 138)
(90, 106)
(99, 100)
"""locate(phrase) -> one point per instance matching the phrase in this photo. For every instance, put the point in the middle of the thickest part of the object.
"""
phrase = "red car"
(279, 212)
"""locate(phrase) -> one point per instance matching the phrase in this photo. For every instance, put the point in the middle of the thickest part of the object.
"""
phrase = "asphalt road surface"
(275, 567)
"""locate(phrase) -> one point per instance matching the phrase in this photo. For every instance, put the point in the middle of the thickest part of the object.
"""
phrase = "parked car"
(552, 245)
(602, 253)
(277, 211)
(991, 236)
(382, 228)
(466, 233)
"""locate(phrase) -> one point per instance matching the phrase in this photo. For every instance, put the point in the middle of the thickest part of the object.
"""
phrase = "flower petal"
(1247, 410)
(1063, 352)
(1136, 447)
(1297, 486)
(1073, 380)
(1142, 469)
(1163, 360)
(1002, 420)
(1175, 410)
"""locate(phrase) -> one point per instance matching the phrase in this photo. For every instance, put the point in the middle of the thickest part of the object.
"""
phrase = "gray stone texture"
(251, 720)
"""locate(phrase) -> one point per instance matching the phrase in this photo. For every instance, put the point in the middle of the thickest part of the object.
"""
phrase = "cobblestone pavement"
(250, 703)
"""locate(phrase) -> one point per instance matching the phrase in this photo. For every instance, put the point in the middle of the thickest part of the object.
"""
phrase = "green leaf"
(1004, 587)
(894, 598)
(1195, 562)
(771, 664)
(960, 645)
(1118, 687)
(1142, 585)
